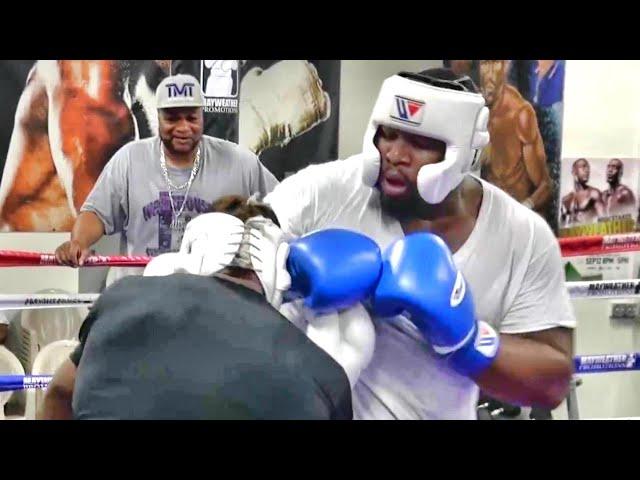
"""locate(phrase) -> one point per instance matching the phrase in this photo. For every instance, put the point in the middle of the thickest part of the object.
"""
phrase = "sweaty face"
(492, 78)
(180, 128)
(614, 170)
(401, 156)
(581, 171)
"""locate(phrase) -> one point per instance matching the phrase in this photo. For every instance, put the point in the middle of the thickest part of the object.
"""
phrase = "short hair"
(243, 208)
(578, 160)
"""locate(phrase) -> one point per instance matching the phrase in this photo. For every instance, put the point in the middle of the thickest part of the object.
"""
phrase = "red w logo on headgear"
(407, 110)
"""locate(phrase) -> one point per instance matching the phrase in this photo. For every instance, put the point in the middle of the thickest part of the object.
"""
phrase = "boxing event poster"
(593, 268)
(598, 196)
(525, 100)
(53, 147)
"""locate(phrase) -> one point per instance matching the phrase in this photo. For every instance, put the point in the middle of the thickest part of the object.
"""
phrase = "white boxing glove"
(170, 263)
(210, 242)
(348, 335)
(280, 103)
(218, 240)
(213, 238)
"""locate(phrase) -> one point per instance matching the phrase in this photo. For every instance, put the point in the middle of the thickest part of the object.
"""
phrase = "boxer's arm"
(294, 202)
(532, 369)
(312, 197)
(58, 398)
(535, 360)
(535, 160)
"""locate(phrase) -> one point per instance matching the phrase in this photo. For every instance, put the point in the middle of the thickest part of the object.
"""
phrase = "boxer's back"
(191, 347)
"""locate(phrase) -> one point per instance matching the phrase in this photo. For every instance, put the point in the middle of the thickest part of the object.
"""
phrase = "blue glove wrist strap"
(478, 354)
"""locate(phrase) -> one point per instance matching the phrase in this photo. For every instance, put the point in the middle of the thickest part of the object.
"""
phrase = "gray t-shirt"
(131, 195)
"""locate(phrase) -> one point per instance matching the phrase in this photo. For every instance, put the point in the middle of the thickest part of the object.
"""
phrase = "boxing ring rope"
(10, 383)
(583, 364)
(604, 289)
(599, 244)
(14, 258)
(46, 300)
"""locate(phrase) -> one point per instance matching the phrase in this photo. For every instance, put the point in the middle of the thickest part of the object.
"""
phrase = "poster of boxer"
(525, 100)
(598, 196)
(64, 119)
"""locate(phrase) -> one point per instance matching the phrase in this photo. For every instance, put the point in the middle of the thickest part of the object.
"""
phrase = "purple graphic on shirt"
(169, 240)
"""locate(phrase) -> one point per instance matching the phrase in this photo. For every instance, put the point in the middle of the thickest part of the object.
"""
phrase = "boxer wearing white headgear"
(418, 152)
(453, 115)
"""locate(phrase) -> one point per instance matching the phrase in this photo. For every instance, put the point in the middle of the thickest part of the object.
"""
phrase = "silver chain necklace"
(176, 222)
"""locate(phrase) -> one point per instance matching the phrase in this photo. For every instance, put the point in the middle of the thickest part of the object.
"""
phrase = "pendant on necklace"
(178, 224)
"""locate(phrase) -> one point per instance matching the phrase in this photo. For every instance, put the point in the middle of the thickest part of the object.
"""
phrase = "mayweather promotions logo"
(407, 110)
(220, 83)
(623, 361)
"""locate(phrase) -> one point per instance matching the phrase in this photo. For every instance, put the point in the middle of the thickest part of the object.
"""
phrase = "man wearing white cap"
(151, 188)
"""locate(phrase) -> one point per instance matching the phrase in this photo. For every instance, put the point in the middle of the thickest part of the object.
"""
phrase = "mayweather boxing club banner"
(525, 100)
(63, 120)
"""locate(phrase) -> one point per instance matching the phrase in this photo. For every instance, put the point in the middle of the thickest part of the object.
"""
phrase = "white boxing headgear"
(213, 241)
(456, 117)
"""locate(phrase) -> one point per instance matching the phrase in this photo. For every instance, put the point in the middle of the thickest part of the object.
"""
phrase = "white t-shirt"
(511, 262)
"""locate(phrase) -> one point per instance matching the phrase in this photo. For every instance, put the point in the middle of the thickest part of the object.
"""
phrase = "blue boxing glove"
(333, 269)
(420, 278)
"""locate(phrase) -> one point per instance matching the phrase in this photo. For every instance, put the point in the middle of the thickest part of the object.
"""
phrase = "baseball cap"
(179, 91)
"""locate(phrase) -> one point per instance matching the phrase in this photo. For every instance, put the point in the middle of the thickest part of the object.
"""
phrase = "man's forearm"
(528, 372)
(4, 331)
(57, 403)
(87, 229)
(56, 406)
